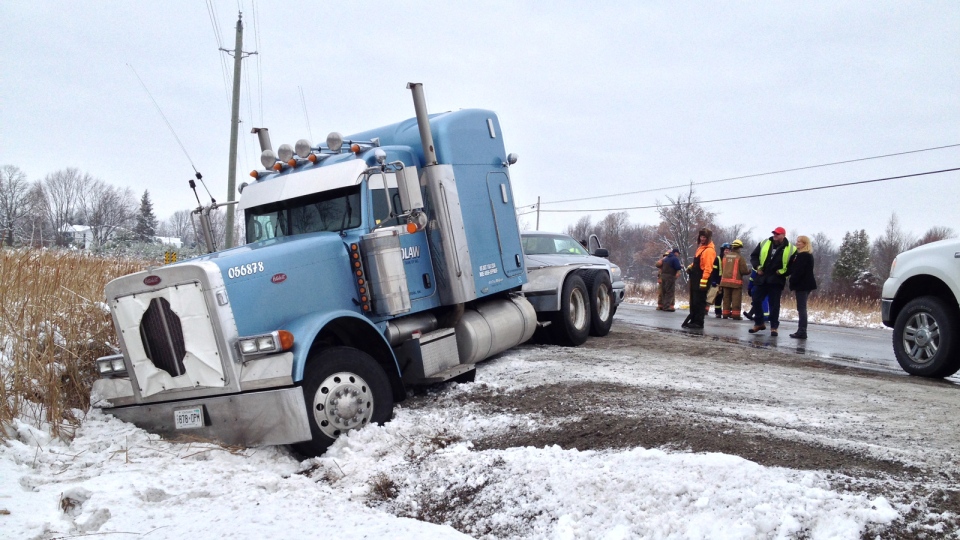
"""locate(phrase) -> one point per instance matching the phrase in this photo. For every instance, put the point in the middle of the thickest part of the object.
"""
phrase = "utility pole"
(238, 56)
(538, 212)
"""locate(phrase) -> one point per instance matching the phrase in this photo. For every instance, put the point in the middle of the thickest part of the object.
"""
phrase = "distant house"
(171, 241)
(79, 235)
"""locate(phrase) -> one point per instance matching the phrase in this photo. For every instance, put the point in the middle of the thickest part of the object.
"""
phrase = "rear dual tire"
(602, 303)
(571, 325)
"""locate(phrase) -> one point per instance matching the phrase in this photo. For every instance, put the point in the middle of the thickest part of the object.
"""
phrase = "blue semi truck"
(377, 261)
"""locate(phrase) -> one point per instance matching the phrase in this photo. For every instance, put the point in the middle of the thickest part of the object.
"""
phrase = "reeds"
(53, 325)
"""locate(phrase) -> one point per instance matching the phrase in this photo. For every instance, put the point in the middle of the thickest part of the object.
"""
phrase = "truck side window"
(380, 211)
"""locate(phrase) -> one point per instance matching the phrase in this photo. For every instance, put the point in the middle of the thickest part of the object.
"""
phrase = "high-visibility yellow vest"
(765, 251)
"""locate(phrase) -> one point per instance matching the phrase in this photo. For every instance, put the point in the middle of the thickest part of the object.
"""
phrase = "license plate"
(188, 418)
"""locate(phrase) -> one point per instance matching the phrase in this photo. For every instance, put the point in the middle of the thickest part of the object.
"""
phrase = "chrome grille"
(162, 337)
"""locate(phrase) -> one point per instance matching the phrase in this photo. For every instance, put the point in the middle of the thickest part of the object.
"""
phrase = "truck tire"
(344, 389)
(925, 338)
(571, 325)
(601, 303)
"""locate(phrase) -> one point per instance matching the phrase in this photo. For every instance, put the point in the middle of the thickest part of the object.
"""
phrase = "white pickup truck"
(920, 302)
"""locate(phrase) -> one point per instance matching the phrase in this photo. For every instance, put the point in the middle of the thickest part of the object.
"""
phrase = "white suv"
(919, 301)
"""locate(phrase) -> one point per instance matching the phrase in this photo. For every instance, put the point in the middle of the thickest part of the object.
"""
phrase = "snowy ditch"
(547, 444)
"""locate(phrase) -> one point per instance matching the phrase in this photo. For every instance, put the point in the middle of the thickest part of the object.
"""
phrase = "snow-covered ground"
(113, 480)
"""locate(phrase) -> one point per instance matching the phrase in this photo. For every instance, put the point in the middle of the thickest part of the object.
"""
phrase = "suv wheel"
(925, 338)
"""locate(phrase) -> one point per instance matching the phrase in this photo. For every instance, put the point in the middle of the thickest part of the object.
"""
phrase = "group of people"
(717, 279)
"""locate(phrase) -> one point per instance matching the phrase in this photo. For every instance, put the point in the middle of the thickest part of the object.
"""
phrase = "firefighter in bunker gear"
(733, 268)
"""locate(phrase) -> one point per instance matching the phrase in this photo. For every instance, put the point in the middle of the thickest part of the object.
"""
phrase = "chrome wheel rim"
(603, 304)
(578, 309)
(343, 401)
(921, 338)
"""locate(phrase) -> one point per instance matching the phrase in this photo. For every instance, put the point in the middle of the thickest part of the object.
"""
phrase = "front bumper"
(249, 419)
(619, 292)
(886, 312)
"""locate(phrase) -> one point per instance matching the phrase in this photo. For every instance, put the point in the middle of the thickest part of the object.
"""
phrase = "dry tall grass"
(53, 326)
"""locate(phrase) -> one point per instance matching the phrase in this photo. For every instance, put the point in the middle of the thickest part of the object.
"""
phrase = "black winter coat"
(773, 263)
(801, 272)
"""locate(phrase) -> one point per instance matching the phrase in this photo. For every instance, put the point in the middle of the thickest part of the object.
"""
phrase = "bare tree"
(934, 234)
(14, 207)
(730, 233)
(37, 231)
(61, 193)
(105, 209)
(887, 246)
(680, 220)
(178, 225)
(613, 231)
(824, 257)
(582, 230)
(636, 245)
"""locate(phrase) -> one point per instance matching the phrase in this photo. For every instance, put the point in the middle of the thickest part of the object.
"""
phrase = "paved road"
(863, 347)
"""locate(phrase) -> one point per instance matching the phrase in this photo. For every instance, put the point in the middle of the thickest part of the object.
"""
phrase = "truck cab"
(376, 261)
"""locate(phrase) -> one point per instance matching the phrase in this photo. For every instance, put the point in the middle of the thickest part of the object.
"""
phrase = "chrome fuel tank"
(493, 327)
(383, 262)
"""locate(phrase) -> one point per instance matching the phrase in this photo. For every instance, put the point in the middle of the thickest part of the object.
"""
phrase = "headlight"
(266, 343)
(111, 366)
(893, 266)
(248, 346)
(615, 272)
(280, 340)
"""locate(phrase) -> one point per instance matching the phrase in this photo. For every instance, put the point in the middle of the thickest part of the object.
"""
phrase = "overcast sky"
(601, 99)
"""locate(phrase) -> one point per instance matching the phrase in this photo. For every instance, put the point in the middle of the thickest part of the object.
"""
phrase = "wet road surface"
(862, 347)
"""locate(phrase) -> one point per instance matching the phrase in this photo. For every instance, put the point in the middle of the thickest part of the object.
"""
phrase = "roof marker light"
(268, 158)
(285, 152)
(303, 148)
(334, 141)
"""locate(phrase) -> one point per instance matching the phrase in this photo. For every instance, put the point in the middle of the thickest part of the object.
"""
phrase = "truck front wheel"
(571, 325)
(344, 389)
(925, 338)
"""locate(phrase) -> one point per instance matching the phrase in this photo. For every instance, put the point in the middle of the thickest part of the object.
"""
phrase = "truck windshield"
(333, 210)
(553, 244)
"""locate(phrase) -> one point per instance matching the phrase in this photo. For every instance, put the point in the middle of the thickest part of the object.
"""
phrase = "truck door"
(505, 218)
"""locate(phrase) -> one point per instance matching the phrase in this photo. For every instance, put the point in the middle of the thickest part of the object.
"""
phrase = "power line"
(159, 110)
(212, 12)
(256, 36)
(753, 175)
(762, 194)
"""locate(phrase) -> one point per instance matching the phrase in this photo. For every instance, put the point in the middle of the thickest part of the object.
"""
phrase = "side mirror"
(601, 252)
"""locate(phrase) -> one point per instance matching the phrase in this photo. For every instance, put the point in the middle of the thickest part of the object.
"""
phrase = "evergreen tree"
(146, 226)
(853, 261)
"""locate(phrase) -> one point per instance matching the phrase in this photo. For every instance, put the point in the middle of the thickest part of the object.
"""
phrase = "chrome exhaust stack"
(423, 122)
